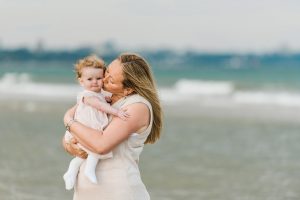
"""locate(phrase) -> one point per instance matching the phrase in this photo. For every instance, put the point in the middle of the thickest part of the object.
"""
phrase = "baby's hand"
(107, 99)
(123, 114)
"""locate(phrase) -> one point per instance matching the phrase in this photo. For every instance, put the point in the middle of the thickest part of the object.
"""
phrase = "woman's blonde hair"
(89, 61)
(138, 76)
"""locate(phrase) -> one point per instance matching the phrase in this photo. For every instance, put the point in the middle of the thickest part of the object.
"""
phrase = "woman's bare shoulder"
(139, 116)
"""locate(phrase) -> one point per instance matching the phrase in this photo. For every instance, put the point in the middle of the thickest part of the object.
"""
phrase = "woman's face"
(113, 78)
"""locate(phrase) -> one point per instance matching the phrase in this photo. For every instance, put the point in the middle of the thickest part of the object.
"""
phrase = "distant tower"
(107, 47)
(284, 49)
(40, 46)
(1, 44)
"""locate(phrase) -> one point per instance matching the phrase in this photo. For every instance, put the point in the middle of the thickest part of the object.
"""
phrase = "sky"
(202, 25)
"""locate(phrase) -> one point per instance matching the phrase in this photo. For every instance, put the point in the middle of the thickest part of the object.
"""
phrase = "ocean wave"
(269, 98)
(198, 87)
(13, 85)
(222, 92)
(184, 90)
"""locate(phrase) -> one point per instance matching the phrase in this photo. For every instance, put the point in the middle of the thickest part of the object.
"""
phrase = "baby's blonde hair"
(89, 61)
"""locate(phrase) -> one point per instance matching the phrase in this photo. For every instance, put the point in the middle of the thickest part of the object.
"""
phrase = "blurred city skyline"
(207, 26)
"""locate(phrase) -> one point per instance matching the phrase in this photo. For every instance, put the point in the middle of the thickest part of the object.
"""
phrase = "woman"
(130, 81)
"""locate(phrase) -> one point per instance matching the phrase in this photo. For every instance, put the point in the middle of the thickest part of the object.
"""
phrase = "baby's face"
(92, 79)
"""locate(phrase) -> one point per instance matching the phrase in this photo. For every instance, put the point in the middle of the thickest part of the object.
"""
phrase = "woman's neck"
(115, 98)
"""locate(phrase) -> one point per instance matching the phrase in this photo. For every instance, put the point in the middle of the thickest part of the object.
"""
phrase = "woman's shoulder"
(140, 110)
(140, 104)
(135, 102)
(136, 98)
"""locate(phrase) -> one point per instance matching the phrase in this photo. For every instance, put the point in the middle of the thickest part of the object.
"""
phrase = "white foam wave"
(197, 87)
(185, 90)
(13, 85)
(269, 98)
(217, 93)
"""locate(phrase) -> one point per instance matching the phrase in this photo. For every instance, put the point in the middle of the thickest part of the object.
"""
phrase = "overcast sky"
(204, 25)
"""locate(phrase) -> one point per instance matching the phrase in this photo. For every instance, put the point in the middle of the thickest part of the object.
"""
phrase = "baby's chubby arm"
(105, 107)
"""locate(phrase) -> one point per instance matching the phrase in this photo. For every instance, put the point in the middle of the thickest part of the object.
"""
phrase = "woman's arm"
(117, 131)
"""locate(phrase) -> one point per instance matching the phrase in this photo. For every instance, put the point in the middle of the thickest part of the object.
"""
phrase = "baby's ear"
(80, 81)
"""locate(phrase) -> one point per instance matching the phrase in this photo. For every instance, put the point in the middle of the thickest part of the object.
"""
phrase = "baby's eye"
(99, 78)
(89, 79)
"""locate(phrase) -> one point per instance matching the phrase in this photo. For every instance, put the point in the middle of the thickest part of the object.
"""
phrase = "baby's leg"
(71, 174)
(90, 168)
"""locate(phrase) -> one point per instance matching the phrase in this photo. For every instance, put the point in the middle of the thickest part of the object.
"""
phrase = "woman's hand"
(73, 148)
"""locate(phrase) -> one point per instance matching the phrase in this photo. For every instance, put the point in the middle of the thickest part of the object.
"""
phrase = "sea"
(229, 133)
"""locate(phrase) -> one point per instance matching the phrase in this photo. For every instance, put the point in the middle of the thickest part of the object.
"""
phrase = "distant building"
(40, 46)
(107, 47)
(1, 44)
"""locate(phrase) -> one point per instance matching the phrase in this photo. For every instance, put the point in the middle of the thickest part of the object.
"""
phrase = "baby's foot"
(91, 176)
(69, 179)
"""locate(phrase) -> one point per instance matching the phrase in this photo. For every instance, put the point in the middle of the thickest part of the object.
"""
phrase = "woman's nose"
(105, 79)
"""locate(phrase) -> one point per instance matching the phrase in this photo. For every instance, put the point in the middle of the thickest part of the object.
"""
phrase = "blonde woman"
(129, 79)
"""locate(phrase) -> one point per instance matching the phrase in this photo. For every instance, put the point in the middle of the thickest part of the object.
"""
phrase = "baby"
(90, 72)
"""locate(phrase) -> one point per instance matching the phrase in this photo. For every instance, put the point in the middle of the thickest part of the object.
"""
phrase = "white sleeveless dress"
(118, 177)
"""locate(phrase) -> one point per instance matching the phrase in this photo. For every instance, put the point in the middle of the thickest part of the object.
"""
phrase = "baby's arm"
(105, 107)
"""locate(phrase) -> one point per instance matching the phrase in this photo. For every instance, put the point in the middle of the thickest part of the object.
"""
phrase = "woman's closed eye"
(110, 80)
